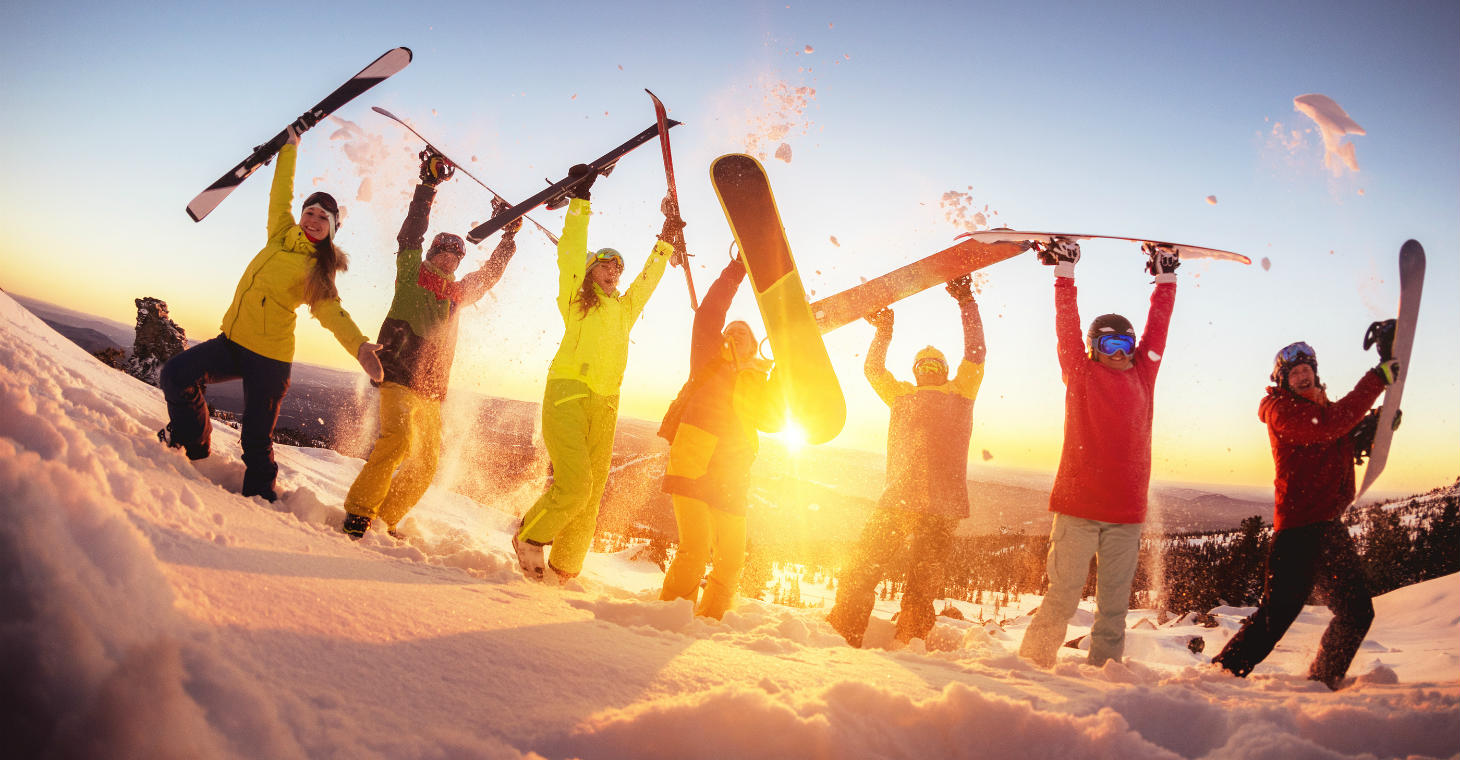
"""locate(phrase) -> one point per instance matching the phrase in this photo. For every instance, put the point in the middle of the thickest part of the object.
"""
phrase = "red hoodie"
(1105, 469)
(1312, 452)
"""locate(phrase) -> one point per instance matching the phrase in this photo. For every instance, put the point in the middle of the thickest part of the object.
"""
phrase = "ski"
(812, 392)
(662, 118)
(1411, 283)
(553, 195)
(457, 164)
(377, 72)
(1043, 238)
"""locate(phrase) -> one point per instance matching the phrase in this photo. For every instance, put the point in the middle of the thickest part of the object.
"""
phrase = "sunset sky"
(884, 130)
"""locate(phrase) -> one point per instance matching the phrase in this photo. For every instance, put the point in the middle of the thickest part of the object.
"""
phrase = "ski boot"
(195, 451)
(529, 557)
(355, 526)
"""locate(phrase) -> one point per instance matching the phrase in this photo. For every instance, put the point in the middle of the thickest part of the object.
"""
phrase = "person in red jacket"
(1099, 495)
(928, 434)
(1313, 452)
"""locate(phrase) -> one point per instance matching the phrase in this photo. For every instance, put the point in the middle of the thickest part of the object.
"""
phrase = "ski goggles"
(1115, 343)
(929, 366)
(604, 255)
(1296, 351)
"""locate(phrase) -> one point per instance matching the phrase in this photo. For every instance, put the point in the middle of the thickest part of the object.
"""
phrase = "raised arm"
(281, 193)
(572, 253)
(875, 367)
(637, 295)
(412, 235)
(710, 318)
(1300, 424)
(1162, 262)
(476, 284)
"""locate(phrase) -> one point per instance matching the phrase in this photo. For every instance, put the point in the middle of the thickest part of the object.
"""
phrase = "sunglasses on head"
(1115, 343)
(1295, 351)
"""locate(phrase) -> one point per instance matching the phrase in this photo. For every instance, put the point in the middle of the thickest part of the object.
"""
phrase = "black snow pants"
(1321, 555)
(265, 381)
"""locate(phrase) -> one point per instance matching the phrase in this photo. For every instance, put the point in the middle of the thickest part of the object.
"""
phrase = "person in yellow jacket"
(419, 343)
(296, 266)
(928, 435)
(714, 441)
(580, 403)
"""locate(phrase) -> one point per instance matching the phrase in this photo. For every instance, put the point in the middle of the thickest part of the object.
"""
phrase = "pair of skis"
(383, 68)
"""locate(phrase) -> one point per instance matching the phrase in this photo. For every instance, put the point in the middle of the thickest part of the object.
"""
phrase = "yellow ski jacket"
(261, 317)
(595, 347)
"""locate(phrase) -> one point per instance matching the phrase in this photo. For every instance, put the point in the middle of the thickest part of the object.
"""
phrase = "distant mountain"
(816, 495)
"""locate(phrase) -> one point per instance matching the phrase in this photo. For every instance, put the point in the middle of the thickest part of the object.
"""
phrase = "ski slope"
(151, 612)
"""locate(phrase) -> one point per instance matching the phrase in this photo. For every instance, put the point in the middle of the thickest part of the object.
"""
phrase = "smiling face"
(605, 274)
(740, 343)
(446, 261)
(1303, 380)
(1119, 360)
(315, 223)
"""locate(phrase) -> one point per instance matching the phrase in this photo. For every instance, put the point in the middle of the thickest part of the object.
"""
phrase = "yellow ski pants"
(577, 428)
(706, 533)
(403, 462)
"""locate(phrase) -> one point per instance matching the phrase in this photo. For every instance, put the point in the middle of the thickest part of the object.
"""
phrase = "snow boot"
(557, 577)
(529, 557)
(195, 451)
(355, 526)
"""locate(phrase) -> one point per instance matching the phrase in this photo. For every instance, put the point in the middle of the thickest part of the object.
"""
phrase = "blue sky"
(1114, 118)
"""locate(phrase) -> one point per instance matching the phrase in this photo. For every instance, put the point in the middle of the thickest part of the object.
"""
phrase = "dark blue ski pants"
(265, 381)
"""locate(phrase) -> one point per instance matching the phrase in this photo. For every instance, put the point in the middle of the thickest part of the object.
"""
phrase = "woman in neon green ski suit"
(580, 403)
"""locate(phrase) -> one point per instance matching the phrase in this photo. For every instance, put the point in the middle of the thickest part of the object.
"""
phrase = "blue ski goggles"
(1115, 343)
(1295, 351)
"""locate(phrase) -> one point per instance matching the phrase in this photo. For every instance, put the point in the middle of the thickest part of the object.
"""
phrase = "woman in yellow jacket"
(580, 403)
(297, 266)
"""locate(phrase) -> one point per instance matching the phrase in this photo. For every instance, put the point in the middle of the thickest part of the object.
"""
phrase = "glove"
(435, 169)
(1058, 251)
(1388, 371)
(881, 319)
(586, 176)
(961, 288)
(1164, 260)
(673, 232)
(499, 207)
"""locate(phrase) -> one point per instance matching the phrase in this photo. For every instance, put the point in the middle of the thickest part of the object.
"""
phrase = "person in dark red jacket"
(1314, 457)
(928, 434)
(1099, 495)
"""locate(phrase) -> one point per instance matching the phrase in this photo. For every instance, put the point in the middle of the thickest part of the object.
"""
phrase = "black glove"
(1163, 259)
(500, 207)
(1058, 251)
(961, 288)
(881, 319)
(585, 176)
(435, 169)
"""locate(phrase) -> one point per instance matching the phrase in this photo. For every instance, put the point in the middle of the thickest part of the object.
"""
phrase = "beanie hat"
(326, 203)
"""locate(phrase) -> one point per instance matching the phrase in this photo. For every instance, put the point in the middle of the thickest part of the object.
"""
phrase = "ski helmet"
(1290, 356)
(326, 203)
(1109, 323)
(605, 254)
(930, 354)
(446, 242)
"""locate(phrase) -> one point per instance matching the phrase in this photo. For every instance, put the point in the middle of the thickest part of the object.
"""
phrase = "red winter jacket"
(1312, 452)
(1105, 468)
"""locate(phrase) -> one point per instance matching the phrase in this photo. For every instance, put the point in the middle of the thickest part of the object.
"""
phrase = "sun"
(792, 437)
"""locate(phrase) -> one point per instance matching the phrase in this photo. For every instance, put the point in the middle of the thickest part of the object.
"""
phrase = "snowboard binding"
(1363, 433)
(1381, 334)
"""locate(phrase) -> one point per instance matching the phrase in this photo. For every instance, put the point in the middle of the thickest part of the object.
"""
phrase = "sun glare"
(792, 437)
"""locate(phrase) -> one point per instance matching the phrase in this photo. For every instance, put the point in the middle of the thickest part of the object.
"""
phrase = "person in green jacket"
(580, 403)
(297, 266)
(418, 340)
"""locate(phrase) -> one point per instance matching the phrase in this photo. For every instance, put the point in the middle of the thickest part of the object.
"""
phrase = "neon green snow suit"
(580, 403)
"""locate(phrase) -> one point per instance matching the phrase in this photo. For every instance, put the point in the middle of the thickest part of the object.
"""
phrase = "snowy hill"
(151, 612)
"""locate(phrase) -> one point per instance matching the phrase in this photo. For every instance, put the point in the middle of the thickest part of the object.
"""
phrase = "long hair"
(328, 260)
(587, 298)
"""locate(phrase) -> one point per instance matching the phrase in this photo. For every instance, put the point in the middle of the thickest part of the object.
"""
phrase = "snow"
(1333, 124)
(153, 612)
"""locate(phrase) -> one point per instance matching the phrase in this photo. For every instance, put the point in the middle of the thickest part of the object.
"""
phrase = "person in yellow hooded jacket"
(296, 266)
(714, 442)
(927, 477)
(580, 402)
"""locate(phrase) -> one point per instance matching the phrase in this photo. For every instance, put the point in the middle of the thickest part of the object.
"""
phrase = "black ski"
(459, 167)
(371, 75)
(555, 194)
